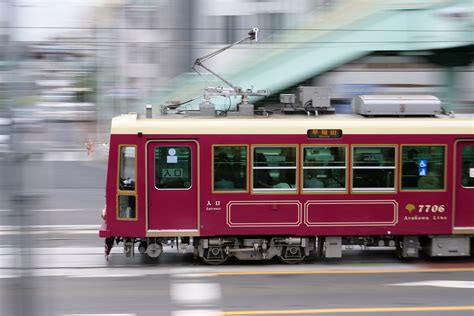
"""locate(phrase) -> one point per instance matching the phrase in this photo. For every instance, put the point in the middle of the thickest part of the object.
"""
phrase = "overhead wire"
(231, 29)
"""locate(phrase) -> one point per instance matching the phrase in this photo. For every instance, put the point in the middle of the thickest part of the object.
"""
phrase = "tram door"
(172, 186)
(464, 196)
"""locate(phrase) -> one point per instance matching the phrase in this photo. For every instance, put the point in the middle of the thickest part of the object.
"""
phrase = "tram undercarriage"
(291, 249)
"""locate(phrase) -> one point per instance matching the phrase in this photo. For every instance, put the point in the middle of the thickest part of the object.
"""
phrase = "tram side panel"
(401, 212)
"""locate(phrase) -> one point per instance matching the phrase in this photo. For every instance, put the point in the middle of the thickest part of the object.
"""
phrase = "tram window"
(127, 168)
(126, 207)
(423, 167)
(324, 168)
(274, 168)
(373, 168)
(230, 168)
(173, 167)
(467, 177)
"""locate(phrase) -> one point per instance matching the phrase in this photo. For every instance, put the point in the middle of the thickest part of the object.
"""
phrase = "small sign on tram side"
(324, 133)
(423, 168)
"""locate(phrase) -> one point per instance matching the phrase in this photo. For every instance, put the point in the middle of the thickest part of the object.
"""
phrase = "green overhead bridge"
(349, 31)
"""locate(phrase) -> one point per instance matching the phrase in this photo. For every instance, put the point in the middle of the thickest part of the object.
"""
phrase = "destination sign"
(324, 133)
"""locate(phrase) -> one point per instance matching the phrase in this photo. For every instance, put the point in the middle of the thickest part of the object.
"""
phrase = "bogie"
(294, 250)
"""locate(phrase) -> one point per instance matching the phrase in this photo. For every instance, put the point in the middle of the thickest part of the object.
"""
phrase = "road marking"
(64, 156)
(81, 272)
(305, 272)
(106, 275)
(49, 227)
(10, 276)
(56, 210)
(195, 293)
(192, 275)
(79, 251)
(63, 210)
(100, 314)
(6, 230)
(197, 313)
(440, 283)
(49, 232)
(353, 310)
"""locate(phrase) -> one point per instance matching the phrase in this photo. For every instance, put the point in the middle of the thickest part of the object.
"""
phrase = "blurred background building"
(91, 60)
(147, 48)
(153, 42)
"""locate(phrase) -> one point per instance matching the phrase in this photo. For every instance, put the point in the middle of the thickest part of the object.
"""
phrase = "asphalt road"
(60, 268)
(177, 285)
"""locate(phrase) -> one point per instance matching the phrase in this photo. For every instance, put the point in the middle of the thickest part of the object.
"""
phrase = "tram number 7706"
(427, 208)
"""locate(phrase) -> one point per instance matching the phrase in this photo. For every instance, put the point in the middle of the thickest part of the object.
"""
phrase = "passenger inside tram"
(311, 181)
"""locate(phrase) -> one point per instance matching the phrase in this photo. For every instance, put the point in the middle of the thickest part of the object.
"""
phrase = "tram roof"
(292, 125)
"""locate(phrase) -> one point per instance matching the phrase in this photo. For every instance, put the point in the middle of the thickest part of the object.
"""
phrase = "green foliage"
(87, 88)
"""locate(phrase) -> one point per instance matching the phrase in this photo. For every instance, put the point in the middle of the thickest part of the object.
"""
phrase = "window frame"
(190, 169)
(461, 178)
(344, 190)
(247, 157)
(294, 190)
(126, 192)
(391, 190)
(445, 168)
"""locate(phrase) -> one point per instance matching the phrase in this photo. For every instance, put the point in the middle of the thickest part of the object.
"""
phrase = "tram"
(290, 186)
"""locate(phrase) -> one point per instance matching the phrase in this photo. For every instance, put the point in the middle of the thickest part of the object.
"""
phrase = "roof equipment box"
(404, 105)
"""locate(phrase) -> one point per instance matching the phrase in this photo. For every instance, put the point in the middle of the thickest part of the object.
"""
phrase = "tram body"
(256, 188)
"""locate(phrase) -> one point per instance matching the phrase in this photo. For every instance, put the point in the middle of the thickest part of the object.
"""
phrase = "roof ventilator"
(397, 105)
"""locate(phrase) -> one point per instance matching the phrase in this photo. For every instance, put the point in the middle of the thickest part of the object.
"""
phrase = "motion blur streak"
(338, 271)
(354, 310)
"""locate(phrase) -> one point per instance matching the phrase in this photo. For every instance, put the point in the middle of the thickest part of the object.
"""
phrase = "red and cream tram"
(263, 187)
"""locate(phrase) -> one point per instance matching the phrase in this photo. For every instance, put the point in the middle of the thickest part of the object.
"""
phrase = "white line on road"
(195, 293)
(62, 210)
(105, 274)
(12, 230)
(48, 227)
(63, 251)
(65, 156)
(197, 313)
(440, 283)
(192, 275)
(100, 314)
(57, 210)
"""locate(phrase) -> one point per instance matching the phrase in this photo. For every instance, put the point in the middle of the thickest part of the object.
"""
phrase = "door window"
(126, 193)
(127, 168)
(173, 167)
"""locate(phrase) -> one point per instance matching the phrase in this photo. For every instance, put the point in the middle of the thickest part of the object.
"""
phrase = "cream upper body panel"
(292, 125)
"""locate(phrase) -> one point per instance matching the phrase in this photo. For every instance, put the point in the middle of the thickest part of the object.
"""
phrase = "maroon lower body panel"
(351, 213)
